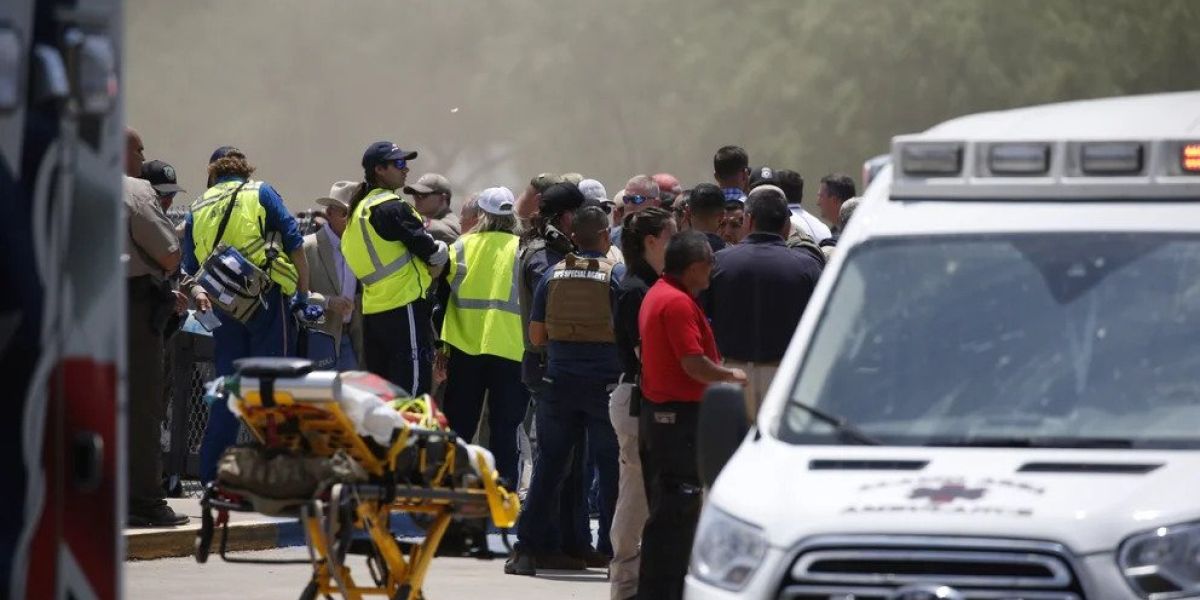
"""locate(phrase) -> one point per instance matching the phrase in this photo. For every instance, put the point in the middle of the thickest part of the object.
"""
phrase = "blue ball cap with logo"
(224, 151)
(381, 152)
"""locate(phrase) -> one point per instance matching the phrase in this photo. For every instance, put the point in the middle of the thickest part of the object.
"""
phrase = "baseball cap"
(763, 176)
(381, 152)
(161, 177)
(575, 178)
(496, 201)
(560, 198)
(429, 183)
(542, 182)
(224, 151)
(339, 195)
(593, 189)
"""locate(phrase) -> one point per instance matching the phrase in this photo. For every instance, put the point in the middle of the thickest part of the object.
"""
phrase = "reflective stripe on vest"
(390, 276)
(483, 314)
(244, 230)
(380, 270)
(511, 305)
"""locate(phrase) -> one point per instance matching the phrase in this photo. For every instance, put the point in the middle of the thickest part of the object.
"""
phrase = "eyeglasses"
(638, 200)
(400, 163)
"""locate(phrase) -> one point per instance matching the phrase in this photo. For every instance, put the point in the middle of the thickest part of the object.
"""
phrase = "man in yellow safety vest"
(387, 247)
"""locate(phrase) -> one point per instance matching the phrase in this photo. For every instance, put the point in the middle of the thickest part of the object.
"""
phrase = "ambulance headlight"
(1163, 563)
(726, 551)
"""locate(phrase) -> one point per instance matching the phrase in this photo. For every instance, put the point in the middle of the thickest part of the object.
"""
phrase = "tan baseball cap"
(340, 195)
(429, 183)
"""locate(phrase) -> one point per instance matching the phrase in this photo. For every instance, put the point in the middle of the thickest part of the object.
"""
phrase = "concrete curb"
(149, 544)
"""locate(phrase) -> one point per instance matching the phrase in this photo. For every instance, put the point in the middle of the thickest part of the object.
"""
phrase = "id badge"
(207, 319)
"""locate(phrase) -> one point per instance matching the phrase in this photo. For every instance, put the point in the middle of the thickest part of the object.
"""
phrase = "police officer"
(249, 216)
(572, 314)
(387, 247)
(547, 241)
(482, 330)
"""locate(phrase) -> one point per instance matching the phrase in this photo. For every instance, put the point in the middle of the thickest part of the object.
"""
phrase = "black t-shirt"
(633, 290)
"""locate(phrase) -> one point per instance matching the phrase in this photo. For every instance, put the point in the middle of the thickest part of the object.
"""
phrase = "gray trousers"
(631, 511)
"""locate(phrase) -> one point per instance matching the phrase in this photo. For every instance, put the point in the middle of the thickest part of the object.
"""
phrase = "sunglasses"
(400, 163)
(638, 200)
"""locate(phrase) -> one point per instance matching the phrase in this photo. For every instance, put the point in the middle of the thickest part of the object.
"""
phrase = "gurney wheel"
(204, 537)
(310, 591)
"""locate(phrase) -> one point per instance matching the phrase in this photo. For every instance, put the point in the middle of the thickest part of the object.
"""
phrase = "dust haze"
(492, 92)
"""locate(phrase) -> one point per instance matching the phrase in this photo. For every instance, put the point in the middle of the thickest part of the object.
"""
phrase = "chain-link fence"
(189, 367)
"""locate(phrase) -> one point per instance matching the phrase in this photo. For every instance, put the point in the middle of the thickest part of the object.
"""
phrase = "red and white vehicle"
(62, 316)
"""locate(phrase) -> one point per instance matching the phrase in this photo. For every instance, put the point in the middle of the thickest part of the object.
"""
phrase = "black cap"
(224, 151)
(560, 198)
(161, 176)
(763, 176)
(381, 152)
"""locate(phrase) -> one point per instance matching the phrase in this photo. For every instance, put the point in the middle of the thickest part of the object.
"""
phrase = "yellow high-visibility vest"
(391, 277)
(246, 230)
(483, 315)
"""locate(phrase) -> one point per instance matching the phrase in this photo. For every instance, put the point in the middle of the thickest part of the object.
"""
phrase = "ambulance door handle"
(88, 455)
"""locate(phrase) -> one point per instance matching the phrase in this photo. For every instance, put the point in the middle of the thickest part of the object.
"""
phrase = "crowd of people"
(575, 330)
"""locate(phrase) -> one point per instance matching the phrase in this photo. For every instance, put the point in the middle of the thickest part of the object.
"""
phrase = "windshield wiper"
(846, 429)
(1032, 442)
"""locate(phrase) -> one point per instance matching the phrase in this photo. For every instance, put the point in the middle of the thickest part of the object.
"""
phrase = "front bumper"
(1097, 574)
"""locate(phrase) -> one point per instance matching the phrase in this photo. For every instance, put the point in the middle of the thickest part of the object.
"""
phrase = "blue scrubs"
(270, 332)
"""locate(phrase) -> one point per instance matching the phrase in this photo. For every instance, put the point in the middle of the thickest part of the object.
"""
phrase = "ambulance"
(62, 306)
(994, 392)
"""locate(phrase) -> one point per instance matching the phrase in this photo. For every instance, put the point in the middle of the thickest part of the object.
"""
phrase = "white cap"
(496, 201)
(593, 189)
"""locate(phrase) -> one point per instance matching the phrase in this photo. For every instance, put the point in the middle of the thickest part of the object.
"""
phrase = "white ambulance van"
(995, 390)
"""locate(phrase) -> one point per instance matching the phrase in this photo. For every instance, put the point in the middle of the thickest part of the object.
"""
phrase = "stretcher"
(359, 451)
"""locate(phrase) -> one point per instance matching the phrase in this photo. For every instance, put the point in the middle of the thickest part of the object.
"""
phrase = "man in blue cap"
(387, 247)
(248, 216)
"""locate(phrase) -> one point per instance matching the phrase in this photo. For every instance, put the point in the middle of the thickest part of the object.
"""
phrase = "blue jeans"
(270, 332)
(573, 410)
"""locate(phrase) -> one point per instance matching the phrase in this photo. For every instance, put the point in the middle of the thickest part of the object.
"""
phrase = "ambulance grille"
(920, 568)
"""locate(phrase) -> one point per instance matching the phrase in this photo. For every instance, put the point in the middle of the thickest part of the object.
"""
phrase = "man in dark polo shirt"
(759, 290)
(679, 360)
(706, 210)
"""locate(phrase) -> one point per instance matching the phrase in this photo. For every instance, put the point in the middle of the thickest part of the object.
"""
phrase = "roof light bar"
(1019, 159)
(931, 159)
(1111, 158)
(1190, 158)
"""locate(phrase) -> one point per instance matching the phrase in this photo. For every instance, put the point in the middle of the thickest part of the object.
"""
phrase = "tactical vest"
(245, 231)
(390, 276)
(579, 300)
(483, 315)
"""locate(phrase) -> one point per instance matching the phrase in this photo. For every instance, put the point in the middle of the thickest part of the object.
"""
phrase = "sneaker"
(520, 563)
(159, 516)
(592, 558)
(560, 562)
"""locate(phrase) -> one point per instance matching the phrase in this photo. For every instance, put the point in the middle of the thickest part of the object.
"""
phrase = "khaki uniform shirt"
(446, 227)
(150, 233)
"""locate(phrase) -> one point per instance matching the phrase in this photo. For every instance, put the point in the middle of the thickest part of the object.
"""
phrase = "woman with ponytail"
(644, 241)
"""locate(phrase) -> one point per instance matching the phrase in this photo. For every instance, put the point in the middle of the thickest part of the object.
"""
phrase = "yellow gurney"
(343, 452)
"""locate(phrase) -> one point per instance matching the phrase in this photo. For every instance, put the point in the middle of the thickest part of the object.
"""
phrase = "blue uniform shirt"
(278, 220)
(591, 360)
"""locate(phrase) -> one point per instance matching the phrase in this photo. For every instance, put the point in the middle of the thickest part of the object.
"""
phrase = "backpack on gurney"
(342, 452)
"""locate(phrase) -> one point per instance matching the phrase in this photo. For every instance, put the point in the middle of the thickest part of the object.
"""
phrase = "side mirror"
(723, 425)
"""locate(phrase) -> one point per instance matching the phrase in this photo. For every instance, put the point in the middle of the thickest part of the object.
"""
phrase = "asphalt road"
(449, 578)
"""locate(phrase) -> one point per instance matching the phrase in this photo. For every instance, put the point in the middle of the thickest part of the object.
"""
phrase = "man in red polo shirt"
(679, 360)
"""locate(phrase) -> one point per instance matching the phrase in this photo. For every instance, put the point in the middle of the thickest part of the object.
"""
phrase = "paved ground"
(449, 578)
